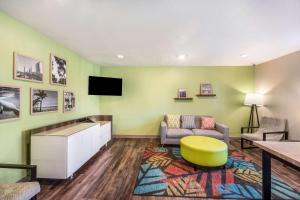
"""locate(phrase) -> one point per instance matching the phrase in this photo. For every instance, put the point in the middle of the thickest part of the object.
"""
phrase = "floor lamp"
(254, 100)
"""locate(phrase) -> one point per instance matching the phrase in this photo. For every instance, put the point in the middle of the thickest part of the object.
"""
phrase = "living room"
(161, 89)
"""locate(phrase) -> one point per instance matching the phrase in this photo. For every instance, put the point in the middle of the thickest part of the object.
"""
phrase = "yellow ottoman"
(204, 151)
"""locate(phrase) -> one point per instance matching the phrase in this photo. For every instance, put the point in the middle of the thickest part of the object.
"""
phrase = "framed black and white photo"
(58, 71)
(9, 103)
(206, 89)
(43, 101)
(27, 68)
(69, 101)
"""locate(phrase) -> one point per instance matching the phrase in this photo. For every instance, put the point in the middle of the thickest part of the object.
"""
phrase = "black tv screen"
(105, 86)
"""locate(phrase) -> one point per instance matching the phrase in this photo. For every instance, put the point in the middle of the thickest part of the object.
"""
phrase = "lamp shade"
(254, 99)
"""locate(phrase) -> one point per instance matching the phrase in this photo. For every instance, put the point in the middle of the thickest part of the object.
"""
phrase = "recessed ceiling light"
(243, 55)
(181, 57)
(120, 56)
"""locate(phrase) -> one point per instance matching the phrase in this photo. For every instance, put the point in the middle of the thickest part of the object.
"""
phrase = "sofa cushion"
(188, 121)
(270, 124)
(173, 121)
(209, 133)
(208, 123)
(19, 191)
(197, 121)
(178, 132)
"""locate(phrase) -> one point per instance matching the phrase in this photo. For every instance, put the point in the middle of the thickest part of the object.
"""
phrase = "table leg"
(266, 175)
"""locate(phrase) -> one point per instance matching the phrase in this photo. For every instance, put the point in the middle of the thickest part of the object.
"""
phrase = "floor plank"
(111, 174)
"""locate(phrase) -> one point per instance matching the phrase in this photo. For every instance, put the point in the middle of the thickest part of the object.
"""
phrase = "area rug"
(163, 172)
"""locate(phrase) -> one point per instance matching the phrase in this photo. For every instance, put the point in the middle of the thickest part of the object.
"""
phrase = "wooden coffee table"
(286, 152)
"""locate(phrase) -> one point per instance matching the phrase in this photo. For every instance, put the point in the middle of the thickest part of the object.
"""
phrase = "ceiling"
(156, 32)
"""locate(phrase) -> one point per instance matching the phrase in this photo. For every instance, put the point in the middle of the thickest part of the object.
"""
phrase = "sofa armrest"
(276, 132)
(163, 132)
(32, 169)
(249, 128)
(224, 130)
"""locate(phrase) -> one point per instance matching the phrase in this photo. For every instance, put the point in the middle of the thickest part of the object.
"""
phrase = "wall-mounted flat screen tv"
(105, 86)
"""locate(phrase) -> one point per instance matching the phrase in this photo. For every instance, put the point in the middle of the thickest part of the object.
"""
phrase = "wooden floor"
(111, 174)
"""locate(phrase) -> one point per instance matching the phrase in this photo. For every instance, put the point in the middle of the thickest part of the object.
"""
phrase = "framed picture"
(58, 72)
(9, 103)
(206, 89)
(69, 101)
(43, 101)
(182, 93)
(27, 68)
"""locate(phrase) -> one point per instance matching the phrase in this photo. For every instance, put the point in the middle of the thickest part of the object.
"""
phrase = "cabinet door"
(76, 156)
(81, 147)
(88, 144)
(96, 138)
(106, 132)
(50, 156)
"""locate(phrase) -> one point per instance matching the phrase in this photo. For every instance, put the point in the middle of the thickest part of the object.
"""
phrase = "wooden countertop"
(289, 151)
(70, 129)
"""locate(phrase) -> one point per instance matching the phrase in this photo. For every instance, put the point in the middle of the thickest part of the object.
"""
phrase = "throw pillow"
(188, 121)
(173, 121)
(208, 123)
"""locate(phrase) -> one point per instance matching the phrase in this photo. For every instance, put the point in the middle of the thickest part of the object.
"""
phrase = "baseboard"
(136, 136)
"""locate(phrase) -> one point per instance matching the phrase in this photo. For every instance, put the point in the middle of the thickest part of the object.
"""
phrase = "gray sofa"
(173, 135)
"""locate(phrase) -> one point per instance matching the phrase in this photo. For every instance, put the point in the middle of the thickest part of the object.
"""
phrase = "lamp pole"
(251, 119)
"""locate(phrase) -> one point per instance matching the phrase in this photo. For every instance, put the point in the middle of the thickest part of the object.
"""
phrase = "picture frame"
(58, 70)
(27, 68)
(206, 89)
(69, 103)
(43, 101)
(182, 93)
(10, 103)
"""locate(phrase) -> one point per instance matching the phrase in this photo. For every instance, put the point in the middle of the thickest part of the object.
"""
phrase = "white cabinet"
(105, 133)
(58, 154)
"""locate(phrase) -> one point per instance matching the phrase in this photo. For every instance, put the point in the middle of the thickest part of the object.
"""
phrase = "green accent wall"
(148, 94)
(15, 36)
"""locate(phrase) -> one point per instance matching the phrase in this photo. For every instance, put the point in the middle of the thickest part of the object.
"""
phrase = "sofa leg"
(242, 143)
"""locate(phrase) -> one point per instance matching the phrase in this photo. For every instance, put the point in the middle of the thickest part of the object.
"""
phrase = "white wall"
(279, 80)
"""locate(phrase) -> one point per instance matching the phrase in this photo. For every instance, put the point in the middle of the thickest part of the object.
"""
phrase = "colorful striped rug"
(164, 173)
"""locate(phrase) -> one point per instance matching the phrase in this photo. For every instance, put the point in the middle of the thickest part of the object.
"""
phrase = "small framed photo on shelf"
(181, 93)
(206, 89)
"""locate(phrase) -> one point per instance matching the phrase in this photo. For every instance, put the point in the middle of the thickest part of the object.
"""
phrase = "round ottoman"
(204, 151)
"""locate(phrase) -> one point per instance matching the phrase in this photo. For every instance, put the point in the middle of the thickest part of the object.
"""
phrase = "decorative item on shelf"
(69, 101)
(182, 95)
(254, 100)
(43, 101)
(206, 90)
(27, 68)
(58, 68)
(9, 103)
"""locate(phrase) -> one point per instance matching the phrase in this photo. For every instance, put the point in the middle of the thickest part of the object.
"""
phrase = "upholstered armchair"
(270, 129)
(21, 190)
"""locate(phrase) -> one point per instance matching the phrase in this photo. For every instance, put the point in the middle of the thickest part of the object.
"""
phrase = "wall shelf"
(206, 95)
(183, 98)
